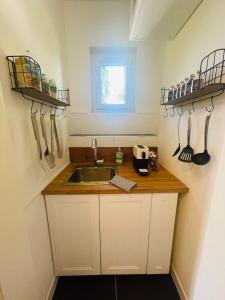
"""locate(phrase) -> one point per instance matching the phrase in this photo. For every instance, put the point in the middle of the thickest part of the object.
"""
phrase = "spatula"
(187, 152)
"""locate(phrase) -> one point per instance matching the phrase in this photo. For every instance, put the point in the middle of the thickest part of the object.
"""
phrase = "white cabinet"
(74, 230)
(163, 213)
(124, 228)
(128, 233)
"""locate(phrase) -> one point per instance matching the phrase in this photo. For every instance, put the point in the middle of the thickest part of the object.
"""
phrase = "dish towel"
(122, 183)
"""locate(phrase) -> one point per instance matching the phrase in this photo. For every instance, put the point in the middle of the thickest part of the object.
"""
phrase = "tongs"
(36, 132)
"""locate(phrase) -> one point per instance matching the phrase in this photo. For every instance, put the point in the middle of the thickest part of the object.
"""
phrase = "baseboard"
(178, 284)
(52, 289)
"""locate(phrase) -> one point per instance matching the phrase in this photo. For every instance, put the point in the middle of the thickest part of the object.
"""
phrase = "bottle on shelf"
(198, 82)
(189, 86)
(170, 94)
(183, 87)
(186, 82)
(175, 93)
(178, 90)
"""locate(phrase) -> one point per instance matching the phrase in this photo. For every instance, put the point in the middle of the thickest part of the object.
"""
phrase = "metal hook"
(166, 111)
(32, 108)
(193, 109)
(173, 113)
(212, 106)
(182, 111)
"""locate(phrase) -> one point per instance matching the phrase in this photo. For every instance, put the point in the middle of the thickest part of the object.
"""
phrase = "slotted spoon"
(187, 152)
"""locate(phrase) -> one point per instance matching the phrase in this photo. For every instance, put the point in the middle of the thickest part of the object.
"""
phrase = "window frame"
(111, 56)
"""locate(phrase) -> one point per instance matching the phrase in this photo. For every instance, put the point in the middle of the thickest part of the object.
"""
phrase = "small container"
(178, 90)
(52, 88)
(183, 88)
(119, 156)
(198, 82)
(189, 86)
(153, 161)
(45, 84)
(175, 93)
(170, 94)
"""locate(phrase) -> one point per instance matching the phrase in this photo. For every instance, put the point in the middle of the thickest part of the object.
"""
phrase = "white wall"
(201, 35)
(106, 23)
(26, 270)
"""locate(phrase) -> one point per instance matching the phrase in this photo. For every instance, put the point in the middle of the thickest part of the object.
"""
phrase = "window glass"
(113, 84)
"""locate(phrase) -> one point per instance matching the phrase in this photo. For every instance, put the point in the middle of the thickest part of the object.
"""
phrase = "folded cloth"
(122, 183)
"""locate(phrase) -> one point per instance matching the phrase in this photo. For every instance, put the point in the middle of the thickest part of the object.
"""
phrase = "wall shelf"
(211, 77)
(27, 79)
(209, 91)
(35, 94)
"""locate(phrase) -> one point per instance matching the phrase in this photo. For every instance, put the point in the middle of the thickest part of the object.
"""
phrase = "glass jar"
(178, 90)
(189, 86)
(170, 94)
(183, 86)
(175, 93)
(52, 88)
(198, 82)
(45, 84)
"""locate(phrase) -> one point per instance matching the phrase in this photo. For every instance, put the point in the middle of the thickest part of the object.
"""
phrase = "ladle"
(203, 158)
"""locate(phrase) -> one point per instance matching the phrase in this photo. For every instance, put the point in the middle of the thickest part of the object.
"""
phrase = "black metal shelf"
(211, 77)
(35, 94)
(207, 92)
(26, 79)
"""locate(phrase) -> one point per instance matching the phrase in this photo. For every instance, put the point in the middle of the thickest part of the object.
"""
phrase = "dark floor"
(126, 287)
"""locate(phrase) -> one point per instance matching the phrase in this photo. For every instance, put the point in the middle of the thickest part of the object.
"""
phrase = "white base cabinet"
(124, 229)
(74, 230)
(111, 234)
(163, 212)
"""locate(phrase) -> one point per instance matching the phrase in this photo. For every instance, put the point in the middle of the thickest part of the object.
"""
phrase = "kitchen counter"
(161, 181)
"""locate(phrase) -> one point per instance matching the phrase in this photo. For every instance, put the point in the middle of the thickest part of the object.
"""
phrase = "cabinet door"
(163, 213)
(124, 227)
(74, 231)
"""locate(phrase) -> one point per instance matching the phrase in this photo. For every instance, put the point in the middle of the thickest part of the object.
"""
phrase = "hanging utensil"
(59, 152)
(47, 154)
(187, 152)
(178, 148)
(203, 158)
(36, 132)
(52, 140)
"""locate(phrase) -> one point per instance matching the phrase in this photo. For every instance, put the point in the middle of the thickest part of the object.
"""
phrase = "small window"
(112, 71)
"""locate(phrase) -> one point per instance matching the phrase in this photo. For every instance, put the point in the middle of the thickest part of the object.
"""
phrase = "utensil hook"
(180, 113)
(166, 113)
(212, 106)
(193, 109)
(173, 113)
(32, 106)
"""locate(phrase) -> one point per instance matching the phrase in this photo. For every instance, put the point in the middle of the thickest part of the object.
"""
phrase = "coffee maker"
(141, 159)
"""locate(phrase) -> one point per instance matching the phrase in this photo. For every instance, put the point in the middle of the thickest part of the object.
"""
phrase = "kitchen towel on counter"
(122, 183)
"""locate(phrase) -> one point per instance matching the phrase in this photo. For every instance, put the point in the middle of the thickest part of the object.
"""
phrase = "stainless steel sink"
(91, 175)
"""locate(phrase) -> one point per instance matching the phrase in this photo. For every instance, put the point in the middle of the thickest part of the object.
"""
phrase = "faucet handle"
(100, 161)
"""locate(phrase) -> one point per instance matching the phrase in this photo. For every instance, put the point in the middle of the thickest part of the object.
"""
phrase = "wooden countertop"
(161, 181)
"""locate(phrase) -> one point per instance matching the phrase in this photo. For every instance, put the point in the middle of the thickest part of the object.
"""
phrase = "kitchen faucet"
(94, 146)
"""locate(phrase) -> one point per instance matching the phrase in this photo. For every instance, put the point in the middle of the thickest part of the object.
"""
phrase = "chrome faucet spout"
(94, 146)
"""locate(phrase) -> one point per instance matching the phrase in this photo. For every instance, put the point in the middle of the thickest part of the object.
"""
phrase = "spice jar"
(45, 84)
(189, 86)
(170, 94)
(183, 87)
(52, 88)
(178, 90)
(198, 82)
